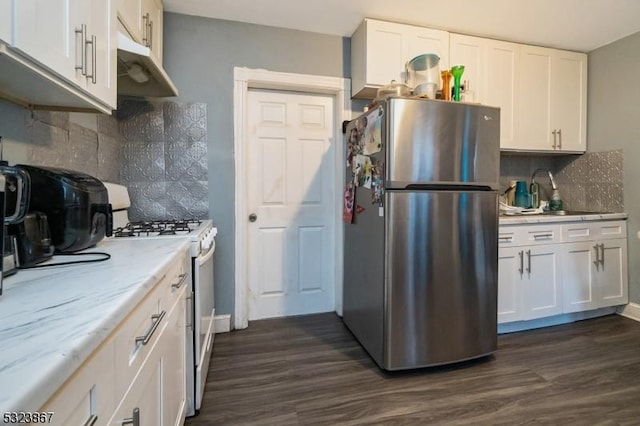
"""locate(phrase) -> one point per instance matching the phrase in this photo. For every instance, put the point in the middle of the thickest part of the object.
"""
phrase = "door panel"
(434, 141)
(509, 284)
(580, 289)
(541, 292)
(441, 276)
(613, 273)
(535, 89)
(290, 188)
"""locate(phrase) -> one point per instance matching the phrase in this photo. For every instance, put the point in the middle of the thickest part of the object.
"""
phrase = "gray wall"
(614, 123)
(199, 55)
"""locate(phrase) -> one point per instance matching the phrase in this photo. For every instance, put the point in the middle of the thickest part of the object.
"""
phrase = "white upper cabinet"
(553, 100)
(569, 100)
(62, 54)
(535, 131)
(541, 92)
(490, 76)
(42, 30)
(143, 21)
(380, 51)
(5, 20)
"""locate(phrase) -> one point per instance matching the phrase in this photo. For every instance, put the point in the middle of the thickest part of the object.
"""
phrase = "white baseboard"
(630, 310)
(512, 327)
(221, 323)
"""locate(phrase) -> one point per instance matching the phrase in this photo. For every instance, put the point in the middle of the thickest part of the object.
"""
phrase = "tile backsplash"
(591, 181)
(157, 149)
(164, 163)
(56, 141)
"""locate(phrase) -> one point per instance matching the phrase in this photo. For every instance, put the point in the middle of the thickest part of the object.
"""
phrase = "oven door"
(203, 321)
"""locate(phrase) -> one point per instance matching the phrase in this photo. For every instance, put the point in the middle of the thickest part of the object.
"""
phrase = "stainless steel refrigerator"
(421, 252)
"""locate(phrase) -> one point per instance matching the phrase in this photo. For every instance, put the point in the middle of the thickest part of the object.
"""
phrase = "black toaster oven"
(76, 205)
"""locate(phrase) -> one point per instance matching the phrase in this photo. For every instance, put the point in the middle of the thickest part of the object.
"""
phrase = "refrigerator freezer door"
(441, 142)
(441, 277)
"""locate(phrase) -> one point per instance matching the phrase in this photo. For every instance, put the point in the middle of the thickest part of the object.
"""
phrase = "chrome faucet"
(535, 190)
(553, 182)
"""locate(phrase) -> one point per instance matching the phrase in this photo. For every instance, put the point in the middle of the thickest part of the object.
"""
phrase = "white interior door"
(291, 172)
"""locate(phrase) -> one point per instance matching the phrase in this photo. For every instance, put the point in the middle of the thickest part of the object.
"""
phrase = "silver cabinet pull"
(150, 34)
(94, 75)
(94, 57)
(83, 57)
(597, 261)
(156, 319)
(145, 23)
(521, 269)
(555, 133)
(505, 238)
(602, 255)
(189, 300)
(529, 260)
(559, 138)
(542, 235)
(134, 419)
(182, 277)
(91, 420)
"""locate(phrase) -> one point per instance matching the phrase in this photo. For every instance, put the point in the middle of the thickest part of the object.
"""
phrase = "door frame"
(245, 79)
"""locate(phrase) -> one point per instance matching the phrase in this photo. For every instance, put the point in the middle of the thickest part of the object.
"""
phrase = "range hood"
(139, 73)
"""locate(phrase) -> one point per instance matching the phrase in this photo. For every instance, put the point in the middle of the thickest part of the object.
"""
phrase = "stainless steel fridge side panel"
(431, 141)
(363, 290)
(441, 276)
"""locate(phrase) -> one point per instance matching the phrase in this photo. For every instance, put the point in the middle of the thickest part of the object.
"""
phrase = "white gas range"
(200, 303)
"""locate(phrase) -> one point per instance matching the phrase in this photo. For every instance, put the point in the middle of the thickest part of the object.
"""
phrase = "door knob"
(253, 217)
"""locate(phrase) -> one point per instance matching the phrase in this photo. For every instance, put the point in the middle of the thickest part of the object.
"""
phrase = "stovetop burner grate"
(157, 227)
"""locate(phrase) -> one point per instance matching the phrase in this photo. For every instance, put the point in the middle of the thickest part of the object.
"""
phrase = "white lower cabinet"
(529, 283)
(595, 274)
(582, 267)
(138, 376)
(541, 291)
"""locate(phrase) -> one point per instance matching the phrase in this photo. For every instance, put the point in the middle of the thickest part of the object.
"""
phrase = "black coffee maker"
(14, 198)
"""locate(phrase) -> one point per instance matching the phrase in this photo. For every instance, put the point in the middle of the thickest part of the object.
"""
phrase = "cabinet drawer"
(89, 394)
(589, 231)
(528, 235)
(138, 334)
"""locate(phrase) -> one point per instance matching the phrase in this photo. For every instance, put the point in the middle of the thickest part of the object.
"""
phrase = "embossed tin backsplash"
(592, 181)
(157, 149)
(164, 159)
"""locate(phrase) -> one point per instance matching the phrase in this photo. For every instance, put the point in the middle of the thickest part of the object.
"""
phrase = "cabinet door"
(535, 131)
(144, 395)
(612, 276)
(152, 27)
(42, 32)
(174, 373)
(103, 29)
(385, 55)
(5, 21)
(420, 40)
(130, 15)
(541, 292)
(569, 100)
(470, 52)
(500, 83)
(580, 290)
(510, 274)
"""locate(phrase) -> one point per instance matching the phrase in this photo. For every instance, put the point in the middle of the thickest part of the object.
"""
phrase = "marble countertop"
(544, 218)
(52, 319)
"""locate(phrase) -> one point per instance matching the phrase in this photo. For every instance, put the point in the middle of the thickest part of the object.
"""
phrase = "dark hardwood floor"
(310, 370)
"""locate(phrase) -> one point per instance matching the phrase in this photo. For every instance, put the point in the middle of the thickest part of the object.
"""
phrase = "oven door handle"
(201, 260)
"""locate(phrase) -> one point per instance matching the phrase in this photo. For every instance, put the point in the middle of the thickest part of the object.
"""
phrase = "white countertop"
(547, 218)
(52, 319)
